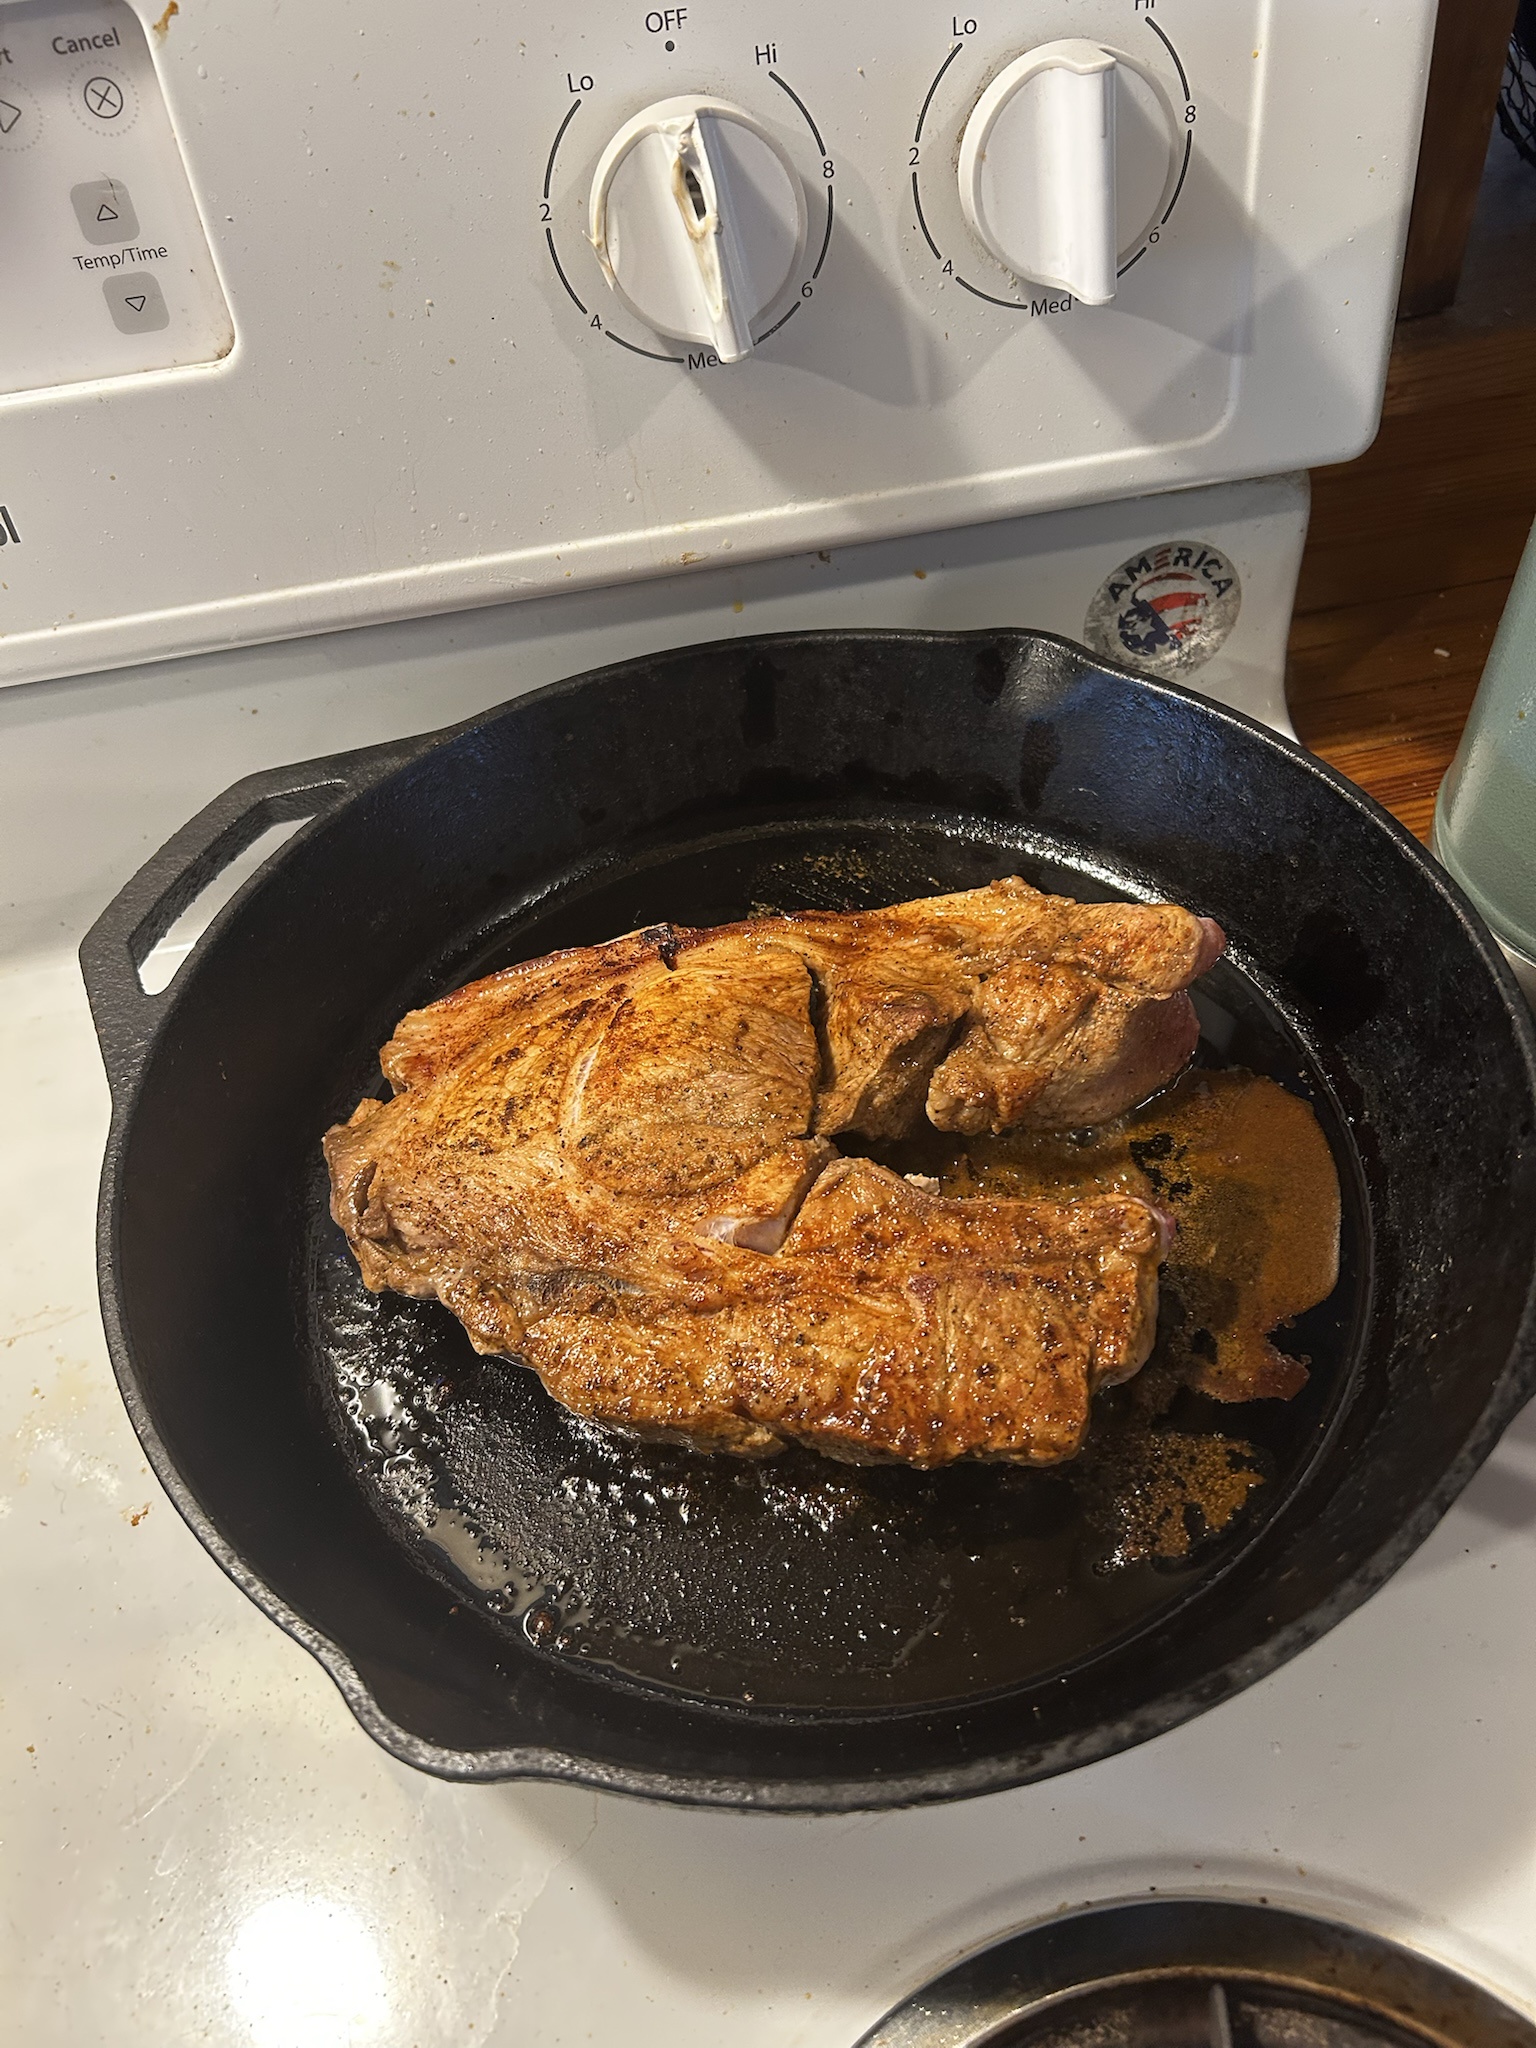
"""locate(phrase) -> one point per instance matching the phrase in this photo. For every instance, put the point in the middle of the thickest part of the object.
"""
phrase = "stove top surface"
(203, 1846)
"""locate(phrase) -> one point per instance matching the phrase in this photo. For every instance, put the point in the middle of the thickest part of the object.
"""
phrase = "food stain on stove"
(797, 1579)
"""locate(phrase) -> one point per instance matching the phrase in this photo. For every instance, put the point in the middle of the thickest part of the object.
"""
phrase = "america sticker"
(1167, 610)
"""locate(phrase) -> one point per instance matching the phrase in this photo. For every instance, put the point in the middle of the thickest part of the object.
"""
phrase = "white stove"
(350, 321)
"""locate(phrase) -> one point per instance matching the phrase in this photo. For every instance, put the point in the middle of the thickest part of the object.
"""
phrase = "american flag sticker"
(1167, 610)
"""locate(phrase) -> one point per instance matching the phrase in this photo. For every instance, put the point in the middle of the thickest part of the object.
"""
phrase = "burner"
(1199, 1973)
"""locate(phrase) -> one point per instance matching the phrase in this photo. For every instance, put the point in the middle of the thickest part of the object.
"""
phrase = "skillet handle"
(126, 1015)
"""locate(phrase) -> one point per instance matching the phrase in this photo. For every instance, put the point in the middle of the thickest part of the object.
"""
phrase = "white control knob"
(1066, 163)
(699, 221)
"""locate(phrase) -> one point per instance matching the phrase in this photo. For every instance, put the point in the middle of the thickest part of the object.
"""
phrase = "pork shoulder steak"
(616, 1164)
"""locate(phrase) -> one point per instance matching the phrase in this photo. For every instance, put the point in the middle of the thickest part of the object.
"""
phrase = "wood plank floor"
(1409, 560)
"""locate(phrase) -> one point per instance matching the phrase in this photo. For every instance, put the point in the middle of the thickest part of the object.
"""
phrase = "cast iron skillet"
(500, 1591)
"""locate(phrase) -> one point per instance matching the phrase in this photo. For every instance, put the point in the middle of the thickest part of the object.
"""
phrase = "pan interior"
(793, 1583)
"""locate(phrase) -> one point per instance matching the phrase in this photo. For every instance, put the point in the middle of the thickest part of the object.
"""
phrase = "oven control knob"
(1066, 163)
(699, 222)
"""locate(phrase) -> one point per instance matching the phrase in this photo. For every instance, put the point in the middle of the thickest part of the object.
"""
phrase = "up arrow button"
(104, 211)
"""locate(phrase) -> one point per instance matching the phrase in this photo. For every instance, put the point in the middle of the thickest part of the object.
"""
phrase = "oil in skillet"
(798, 1580)
(1245, 1170)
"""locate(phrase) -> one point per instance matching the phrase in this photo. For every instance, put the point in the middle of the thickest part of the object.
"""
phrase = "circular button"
(103, 97)
(20, 122)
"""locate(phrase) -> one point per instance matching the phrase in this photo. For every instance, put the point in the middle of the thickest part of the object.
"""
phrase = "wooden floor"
(1409, 560)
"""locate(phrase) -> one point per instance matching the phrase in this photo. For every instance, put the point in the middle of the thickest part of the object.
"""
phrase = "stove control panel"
(536, 298)
(106, 266)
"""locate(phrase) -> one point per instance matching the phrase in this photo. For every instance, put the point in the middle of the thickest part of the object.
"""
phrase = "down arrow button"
(136, 303)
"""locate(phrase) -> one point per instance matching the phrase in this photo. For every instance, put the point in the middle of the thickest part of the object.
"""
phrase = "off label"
(1167, 610)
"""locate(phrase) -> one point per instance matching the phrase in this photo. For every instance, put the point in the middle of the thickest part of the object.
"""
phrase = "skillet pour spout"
(502, 1591)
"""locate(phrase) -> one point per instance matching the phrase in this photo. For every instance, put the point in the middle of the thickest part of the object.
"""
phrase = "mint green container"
(1485, 815)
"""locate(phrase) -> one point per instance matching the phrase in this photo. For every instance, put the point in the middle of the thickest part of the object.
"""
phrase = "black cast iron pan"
(500, 1591)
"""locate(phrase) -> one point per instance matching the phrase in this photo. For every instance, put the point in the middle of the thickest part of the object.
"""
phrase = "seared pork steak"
(615, 1163)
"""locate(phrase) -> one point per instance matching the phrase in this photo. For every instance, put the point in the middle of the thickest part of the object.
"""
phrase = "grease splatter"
(1244, 1168)
(1159, 1492)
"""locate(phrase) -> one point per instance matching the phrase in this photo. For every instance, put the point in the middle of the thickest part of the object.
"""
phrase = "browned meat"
(892, 1324)
(1067, 1013)
(615, 1163)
